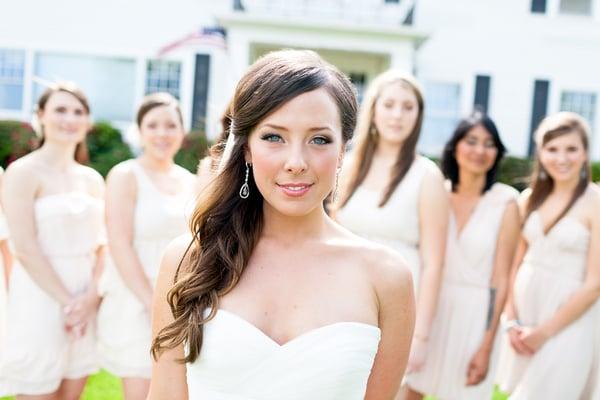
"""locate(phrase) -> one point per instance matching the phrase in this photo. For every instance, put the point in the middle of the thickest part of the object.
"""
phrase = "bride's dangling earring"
(245, 189)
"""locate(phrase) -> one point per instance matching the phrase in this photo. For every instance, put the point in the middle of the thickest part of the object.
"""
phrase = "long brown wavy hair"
(225, 227)
(550, 128)
(367, 138)
(81, 150)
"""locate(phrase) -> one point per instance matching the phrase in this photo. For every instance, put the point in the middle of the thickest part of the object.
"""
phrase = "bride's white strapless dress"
(240, 362)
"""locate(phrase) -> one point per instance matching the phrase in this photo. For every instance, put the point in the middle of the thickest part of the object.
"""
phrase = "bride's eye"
(321, 140)
(271, 137)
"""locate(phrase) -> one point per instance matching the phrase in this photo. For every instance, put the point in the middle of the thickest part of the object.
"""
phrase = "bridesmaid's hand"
(80, 310)
(514, 335)
(533, 338)
(418, 353)
(478, 367)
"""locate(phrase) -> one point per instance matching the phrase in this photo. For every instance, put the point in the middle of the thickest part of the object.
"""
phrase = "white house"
(519, 59)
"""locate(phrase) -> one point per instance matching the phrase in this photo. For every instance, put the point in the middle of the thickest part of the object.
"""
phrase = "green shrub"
(596, 171)
(106, 147)
(515, 171)
(194, 147)
(16, 139)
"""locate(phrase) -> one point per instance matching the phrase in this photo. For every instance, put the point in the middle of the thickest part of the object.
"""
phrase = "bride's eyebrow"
(273, 126)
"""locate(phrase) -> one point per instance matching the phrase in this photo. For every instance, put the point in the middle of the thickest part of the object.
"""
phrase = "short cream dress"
(38, 353)
(124, 333)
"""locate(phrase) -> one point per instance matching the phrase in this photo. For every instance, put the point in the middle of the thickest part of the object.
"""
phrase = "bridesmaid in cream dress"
(145, 207)
(391, 195)
(482, 237)
(5, 267)
(557, 276)
(54, 208)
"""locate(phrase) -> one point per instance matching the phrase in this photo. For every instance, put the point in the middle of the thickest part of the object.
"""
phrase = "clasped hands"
(526, 340)
(79, 311)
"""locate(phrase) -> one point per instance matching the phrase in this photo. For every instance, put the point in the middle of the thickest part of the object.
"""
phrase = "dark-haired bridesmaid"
(482, 237)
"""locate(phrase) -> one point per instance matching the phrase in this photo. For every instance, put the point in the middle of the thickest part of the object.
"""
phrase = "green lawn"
(104, 386)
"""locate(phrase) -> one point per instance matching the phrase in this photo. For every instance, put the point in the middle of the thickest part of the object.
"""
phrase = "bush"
(194, 147)
(596, 171)
(106, 147)
(16, 139)
(515, 171)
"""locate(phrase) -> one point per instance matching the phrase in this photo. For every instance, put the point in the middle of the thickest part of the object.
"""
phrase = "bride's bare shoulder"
(386, 268)
(173, 256)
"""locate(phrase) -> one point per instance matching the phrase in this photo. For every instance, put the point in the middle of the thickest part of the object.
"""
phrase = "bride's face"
(295, 153)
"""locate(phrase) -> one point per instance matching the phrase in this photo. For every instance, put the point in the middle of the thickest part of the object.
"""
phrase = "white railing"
(354, 11)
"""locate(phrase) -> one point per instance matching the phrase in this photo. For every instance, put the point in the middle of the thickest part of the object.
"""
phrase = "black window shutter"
(539, 109)
(482, 92)
(538, 6)
(200, 100)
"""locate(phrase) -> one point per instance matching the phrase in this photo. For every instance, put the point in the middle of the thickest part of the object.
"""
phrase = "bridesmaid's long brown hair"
(367, 138)
(550, 128)
(225, 227)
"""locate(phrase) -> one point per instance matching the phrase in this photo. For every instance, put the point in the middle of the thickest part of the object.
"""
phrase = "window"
(576, 7)
(539, 109)
(163, 76)
(582, 103)
(392, 1)
(538, 6)
(359, 81)
(12, 66)
(109, 83)
(442, 113)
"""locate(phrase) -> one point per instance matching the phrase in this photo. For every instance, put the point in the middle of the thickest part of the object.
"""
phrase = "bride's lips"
(295, 189)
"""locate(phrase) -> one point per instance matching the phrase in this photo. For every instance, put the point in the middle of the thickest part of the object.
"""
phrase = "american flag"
(211, 36)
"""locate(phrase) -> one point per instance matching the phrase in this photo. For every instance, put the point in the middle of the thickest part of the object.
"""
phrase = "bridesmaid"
(557, 276)
(396, 197)
(146, 200)
(482, 237)
(54, 208)
(5, 267)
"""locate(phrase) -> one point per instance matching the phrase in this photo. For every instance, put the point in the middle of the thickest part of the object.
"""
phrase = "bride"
(272, 299)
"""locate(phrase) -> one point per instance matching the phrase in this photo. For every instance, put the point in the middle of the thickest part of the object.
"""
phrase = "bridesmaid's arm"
(18, 196)
(434, 209)
(85, 305)
(506, 244)
(5, 253)
(394, 289)
(510, 310)
(584, 297)
(120, 209)
(168, 375)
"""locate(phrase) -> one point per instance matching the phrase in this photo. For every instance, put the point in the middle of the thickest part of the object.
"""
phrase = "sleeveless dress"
(38, 353)
(592, 391)
(3, 294)
(124, 333)
(460, 323)
(239, 362)
(396, 224)
(553, 269)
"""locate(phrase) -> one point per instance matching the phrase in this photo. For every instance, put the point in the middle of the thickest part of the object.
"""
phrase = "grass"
(101, 386)
(104, 386)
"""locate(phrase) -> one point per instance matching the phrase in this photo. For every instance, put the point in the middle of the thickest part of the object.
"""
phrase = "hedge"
(105, 144)
(107, 148)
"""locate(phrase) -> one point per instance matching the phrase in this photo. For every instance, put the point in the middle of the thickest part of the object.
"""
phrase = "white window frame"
(553, 10)
(158, 87)
(16, 112)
